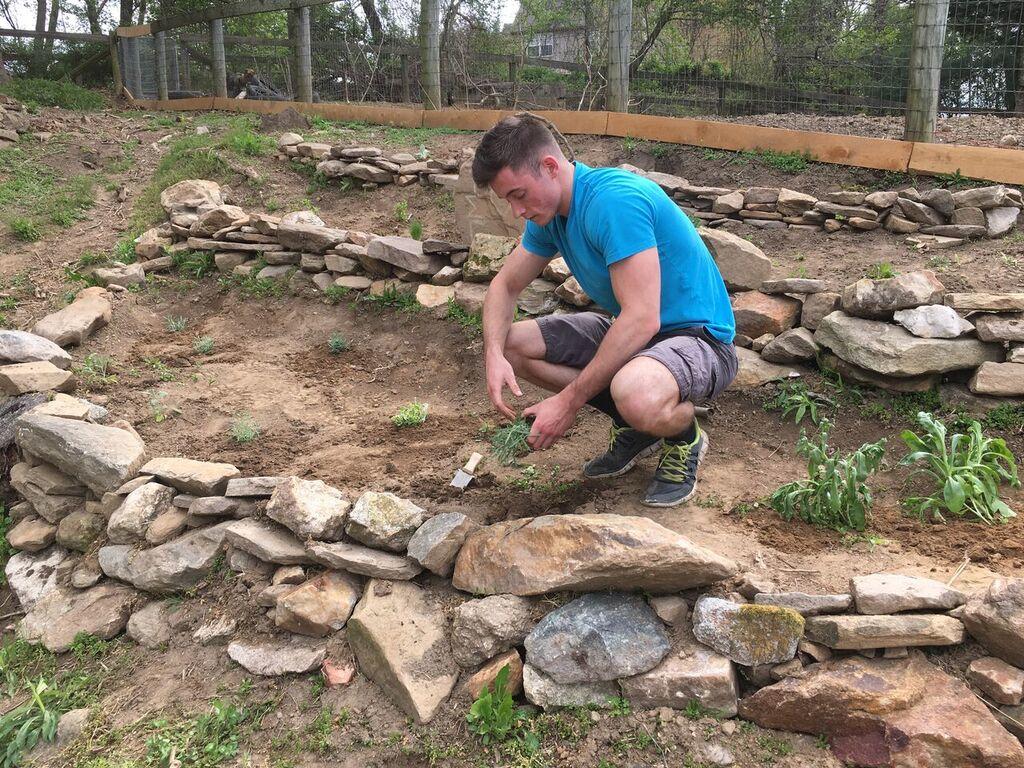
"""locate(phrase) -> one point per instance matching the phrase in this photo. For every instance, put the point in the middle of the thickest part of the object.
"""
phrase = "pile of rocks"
(368, 166)
(934, 218)
(14, 119)
(105, 531)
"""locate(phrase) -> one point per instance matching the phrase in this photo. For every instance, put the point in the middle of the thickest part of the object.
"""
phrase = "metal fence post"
(160, 54)
(926, 50)
(620, 32)
(220, 72)
(303, 59)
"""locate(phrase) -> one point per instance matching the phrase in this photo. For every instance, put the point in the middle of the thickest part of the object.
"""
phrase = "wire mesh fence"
(724, 58)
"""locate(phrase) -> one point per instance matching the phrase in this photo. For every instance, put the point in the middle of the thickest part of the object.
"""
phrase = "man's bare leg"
(525, 350)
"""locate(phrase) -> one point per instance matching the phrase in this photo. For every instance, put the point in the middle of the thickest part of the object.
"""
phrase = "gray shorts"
(701, 364)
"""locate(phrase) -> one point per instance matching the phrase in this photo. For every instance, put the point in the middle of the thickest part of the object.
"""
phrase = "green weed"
(95, 370)
(336, 293)
(243, 140)
(251, 286)
(966, 472)
(163, 371)
(790, 162)
(199, 742)
(158, 407)
(244, 428)
(337, 343)
(880, 271)
(402, 211)
(410, 415)
(392, 298)
(195, 264)
(793, 397)
(175, 324)
(203, 345)
(471, 323)
(416, 229)
(24, 230)
(493, 717)
(835, 493)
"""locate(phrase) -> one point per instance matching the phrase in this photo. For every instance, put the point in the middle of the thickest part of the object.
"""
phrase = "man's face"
(533, 193)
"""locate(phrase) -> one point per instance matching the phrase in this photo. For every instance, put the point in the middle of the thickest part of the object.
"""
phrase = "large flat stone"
(995, 618)
(546, 693)
(177, 565)
(20, 378)
(400, 642)
(889, 349)
(805, 604)
(754, 371)
(690, 672)
(319, 606)
(985, 302)
(101, 457)
(405, 253)
(1001, 682)
(880, 593)
(364, 561)
(861, 632)
(597, 637)
(933, 321)
(268, 541)
(758, 313)
(887, 712)
(1008, 327)
(199, 478)
(1001, 379)
(71, 325)
(534, 556)
(24, 347)
(742, 264)
(30, 576)
(309, 238)
(274, 657)
(59, 616)
(880, 298)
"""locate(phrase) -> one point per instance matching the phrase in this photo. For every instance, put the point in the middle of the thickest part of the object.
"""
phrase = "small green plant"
(336, 293)
(89, 258)
(95, 369)
(203, 345)
(629, 145)
(790, 162)
(619, 707)
(402, 211)
(493, 717)
(880, 271)
(243, 140)
(244, 428)
(966, 472)
(158, 408)
(176, 324)
(204, 741)
(416, 229)
(793, 397)
(26, 725)
(86, 646)
(694, 710)
(23, 229)
(955, 180)
(163, 371)
(124, 250)
(509, 443)
(392, 298)
(410, 415)
(471, 323)
(196, 264)
(337, 343)
(6, 550)
(835, 493)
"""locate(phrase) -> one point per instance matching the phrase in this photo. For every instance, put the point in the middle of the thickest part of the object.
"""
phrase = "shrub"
(244, 428)
(509, 443)
(337, 343)
(410, 415)
(23, 229)
(416, 229)
(203, 345)
(835, 493)
(966, 472)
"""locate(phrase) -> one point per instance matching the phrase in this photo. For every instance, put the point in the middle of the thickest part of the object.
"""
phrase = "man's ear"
(549, 165)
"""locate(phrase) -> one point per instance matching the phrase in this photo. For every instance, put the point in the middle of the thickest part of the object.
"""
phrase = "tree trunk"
(665, 14)
(92, 13)
(142, 12)
(39, 44)
(126, 12)
(54, 13)
(373, 19)
(430, 53)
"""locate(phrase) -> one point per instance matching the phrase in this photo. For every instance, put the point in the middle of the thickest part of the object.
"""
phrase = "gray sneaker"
(626, 447)
(675, 479)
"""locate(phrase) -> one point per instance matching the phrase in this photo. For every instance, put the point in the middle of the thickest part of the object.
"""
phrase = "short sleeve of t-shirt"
(620, 222)
(538, 241)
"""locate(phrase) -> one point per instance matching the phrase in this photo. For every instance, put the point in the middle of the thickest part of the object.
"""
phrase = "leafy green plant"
(203, 345)
(966, 472)
(23, 229)
(416, 229)
(244, 428)
(95, 369)
(402, 211)
(471, 323)
(243, 140)
(163, 371)
(509, 443)
(199, 742)
(392, 298)
(793, 397)
(336, 293)
(410, 415)
(629, 144)
(176, 324)
(158, 407)
(493, 717)
(195, 264)
(790, 162)
(835, 493)
(880, 271)
(26, 725)
(337, 343)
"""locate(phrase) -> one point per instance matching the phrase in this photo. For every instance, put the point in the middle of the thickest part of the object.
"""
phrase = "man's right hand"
(500, 374)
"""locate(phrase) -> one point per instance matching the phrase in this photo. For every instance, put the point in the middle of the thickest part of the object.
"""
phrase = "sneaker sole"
(649, 450)
(687, 497)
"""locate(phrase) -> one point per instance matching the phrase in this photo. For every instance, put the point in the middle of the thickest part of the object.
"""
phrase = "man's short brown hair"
(513, 142)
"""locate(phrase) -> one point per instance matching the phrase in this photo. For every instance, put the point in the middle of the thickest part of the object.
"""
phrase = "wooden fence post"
(160, 53)
(220, 71)
(406, 90)
(303, 56)
(926, 48)
(620, 33)
(430, 53)
(115, 66)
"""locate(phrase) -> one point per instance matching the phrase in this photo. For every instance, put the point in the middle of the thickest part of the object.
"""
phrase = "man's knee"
(524, 342)
(645, 394)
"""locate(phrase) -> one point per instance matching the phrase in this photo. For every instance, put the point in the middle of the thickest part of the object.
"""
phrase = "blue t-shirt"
(615, 214)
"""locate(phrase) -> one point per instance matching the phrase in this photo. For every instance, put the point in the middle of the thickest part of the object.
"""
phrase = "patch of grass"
(86, 646)
(244, 428)
(392, 298)
(204, 741)
(772, 747)
(203, 345)
(175, 324)
(880, 271)
(790, 162)
(619, 707)
(195, 264)
(471, 323)
(243, 140)
(835, 493)
(336, 293)
(95, 370)
(966, 471)
(416, 229)
(190, 157)
(318, 732)
(37, 92)
(24, 230)
(337, 343)
(410, 415)
(6, 550)
(1006, 418)
(251, 286)
(509, 443)
(124, 250)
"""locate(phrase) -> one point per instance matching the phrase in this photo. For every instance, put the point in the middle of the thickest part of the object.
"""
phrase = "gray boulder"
(24, 347)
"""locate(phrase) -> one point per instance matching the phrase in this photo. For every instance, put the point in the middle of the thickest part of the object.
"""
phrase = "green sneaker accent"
(626, 446)
(675, 479)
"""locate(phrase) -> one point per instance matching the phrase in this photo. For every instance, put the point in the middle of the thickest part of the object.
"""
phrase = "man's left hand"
(552, 418)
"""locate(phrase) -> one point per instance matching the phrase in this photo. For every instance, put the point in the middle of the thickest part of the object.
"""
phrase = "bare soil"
(328, 416)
